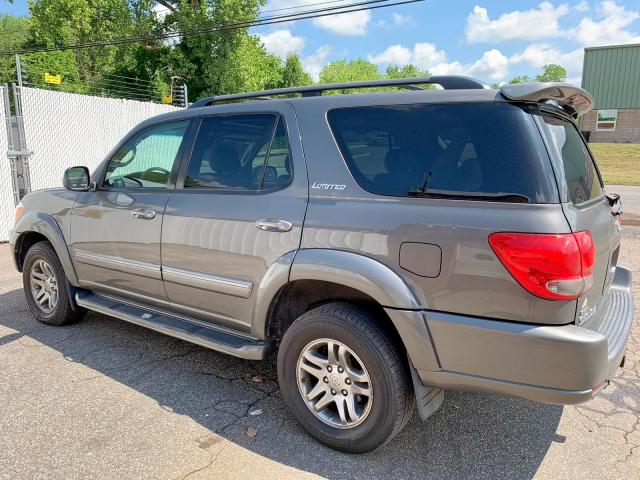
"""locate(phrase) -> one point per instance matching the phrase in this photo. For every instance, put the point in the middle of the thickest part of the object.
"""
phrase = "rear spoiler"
(573, 100)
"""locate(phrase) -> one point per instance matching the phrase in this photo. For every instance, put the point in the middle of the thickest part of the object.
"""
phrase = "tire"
(378, 417)
(41, 261)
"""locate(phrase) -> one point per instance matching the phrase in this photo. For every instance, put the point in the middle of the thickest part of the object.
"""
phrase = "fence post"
(185, 95)
(19, 70)
(18, 153)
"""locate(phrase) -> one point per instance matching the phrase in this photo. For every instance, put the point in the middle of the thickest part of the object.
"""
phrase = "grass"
(619, 163)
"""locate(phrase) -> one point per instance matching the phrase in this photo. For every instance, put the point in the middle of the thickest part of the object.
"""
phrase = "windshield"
(466, 151)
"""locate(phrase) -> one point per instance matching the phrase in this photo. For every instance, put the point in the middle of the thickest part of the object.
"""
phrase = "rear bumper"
(553, 364)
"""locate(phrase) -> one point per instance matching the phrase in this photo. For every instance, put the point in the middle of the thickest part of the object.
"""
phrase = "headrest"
(224, 159)
(399, 160)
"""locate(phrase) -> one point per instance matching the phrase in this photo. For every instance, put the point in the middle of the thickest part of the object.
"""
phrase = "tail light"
(549, 266)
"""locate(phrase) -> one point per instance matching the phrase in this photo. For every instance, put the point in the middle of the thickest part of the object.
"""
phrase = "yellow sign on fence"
(167, 99)
(53, 79)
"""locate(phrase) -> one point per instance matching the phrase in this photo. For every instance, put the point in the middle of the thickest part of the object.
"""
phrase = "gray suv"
(388, 245)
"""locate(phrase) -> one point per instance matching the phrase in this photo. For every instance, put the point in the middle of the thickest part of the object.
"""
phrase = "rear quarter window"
(487, 151)
(583, 180)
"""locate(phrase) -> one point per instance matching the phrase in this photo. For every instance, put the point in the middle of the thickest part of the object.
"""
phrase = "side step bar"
(190, 330)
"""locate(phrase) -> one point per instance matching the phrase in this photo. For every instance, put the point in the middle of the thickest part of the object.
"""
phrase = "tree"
(342, 71)
(14, 34)
(552, 73)
(293, 74)
(521, 79)
(63, 22)
(219, 62)
(407, 71)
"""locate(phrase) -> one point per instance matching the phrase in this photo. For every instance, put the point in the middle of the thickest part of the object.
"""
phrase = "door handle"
(143, 213)
(274, 225)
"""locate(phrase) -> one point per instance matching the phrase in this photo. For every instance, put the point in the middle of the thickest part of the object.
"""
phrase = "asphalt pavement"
(106, 399)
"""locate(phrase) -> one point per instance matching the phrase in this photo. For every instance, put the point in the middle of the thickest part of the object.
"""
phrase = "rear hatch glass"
(472, 151)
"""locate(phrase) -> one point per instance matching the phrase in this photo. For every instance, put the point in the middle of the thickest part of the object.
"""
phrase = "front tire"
(344, 379)
(46, 287)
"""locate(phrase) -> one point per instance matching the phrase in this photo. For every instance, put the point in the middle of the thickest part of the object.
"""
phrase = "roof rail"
(573, 100)
(448, 82)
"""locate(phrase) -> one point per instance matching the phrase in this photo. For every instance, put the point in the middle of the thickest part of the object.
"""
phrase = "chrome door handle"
(274, 225)
(143, 213)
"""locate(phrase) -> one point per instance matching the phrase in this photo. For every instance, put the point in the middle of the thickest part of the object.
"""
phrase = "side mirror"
(76, 179)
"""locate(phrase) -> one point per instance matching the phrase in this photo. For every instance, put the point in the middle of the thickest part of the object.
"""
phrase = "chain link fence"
(31, 72)
(66, 129)
(7, 200)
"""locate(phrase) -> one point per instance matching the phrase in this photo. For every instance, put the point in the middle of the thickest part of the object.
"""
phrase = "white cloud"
(582, 6)
(538, 55)
(346, 24)
(609, 23)
(609, 29)
(401, 20)
(394, 55)
(493, 65)
(313, 63)
(534, 24)
(282, 42)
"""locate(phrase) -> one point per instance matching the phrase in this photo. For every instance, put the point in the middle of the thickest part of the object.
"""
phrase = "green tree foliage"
(14, 34)
(220, 62)
(360, 70)
(407, 71)
(552, 73)
(349, 71)
(521, 79)
(293, 74)
(64, 22)
(342, 71)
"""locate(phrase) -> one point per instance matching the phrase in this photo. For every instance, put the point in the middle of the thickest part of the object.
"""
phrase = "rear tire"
(367, 372)
(47, 288)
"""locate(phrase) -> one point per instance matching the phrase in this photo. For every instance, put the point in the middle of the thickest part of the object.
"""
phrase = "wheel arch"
(35, 227)
(302, 280)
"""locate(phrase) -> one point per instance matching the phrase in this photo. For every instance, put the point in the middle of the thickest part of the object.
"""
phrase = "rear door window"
(240, 152)
(580, 172)
(482, 151)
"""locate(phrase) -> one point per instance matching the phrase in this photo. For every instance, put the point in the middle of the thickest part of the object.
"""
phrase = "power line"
(276, 19)
(271, 10)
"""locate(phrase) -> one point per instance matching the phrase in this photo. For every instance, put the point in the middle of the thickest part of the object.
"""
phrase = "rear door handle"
(274, 225)
(143, 213)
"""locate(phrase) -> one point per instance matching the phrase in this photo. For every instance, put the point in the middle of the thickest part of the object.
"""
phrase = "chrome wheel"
(44, 286)
(334, 383)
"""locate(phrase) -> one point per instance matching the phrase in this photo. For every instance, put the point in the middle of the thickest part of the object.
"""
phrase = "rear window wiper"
(487, 197)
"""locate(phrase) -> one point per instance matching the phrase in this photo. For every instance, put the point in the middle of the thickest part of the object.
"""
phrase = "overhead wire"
(260, 21)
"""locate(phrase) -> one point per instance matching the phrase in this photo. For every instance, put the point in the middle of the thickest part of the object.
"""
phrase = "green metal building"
(612, 75)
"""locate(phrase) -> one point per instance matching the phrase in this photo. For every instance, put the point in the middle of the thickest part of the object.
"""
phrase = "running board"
(190, 330)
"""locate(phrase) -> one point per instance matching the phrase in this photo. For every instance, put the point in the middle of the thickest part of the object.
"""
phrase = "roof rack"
(448, 82)
(573, 100)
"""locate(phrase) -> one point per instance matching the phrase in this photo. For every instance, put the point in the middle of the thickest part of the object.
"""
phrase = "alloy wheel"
(44, 286)
(334, 383)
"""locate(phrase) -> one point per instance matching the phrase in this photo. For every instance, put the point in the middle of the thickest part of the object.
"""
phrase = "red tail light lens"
(549, 266)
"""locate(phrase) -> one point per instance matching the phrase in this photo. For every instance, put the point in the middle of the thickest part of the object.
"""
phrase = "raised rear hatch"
(585, 205)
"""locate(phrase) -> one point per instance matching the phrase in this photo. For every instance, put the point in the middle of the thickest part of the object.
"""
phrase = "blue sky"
(492, 40)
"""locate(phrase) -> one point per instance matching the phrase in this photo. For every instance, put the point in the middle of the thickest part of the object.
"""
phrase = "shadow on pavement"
(472, 435)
